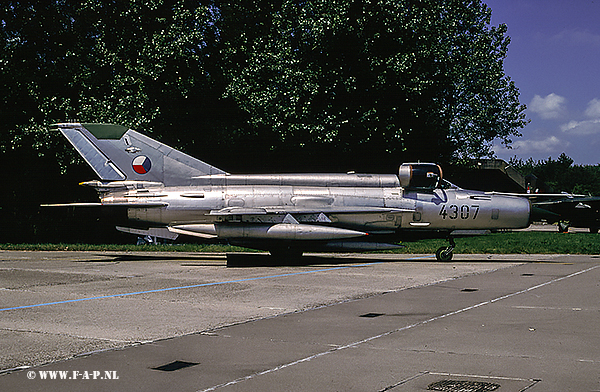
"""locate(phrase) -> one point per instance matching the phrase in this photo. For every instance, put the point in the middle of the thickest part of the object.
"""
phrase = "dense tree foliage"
(131, 62)
(561, 175)
(250, 85)
(400, 80)
(138, 63)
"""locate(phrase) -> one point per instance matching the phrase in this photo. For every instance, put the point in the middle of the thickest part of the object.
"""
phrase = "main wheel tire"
(444, 254)
(563, 227)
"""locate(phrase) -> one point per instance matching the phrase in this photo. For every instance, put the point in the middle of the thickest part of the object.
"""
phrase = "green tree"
(401, 80)
(143, 64)
(561, 175)
(137, 63)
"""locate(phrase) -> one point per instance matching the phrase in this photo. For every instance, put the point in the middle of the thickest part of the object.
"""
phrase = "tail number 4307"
(464, 211)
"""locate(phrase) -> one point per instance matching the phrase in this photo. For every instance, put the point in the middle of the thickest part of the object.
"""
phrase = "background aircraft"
(168, 193)
(563, 208)
(569, 211)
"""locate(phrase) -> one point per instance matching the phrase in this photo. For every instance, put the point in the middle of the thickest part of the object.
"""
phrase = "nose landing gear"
(446, 253)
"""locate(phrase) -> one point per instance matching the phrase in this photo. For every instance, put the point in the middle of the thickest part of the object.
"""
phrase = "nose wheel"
(446, 253)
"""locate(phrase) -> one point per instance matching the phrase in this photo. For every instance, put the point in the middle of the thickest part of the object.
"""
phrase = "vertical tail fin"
(117, 153)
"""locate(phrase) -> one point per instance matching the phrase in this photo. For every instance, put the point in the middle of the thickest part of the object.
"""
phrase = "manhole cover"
(175, 365)
(371, 315)
(462, 386)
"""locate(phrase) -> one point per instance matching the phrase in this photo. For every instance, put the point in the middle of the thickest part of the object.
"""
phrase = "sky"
(554, 60)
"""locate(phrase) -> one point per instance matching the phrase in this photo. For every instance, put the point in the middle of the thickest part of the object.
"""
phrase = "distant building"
(491, 175)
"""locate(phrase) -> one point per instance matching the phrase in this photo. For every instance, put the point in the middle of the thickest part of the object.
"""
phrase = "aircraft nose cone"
(515, 212)
(523, 207)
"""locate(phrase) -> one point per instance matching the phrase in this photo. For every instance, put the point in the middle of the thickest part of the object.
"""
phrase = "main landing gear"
(446, 253)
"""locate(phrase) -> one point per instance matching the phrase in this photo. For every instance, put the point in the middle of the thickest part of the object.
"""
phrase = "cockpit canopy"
(420, 175)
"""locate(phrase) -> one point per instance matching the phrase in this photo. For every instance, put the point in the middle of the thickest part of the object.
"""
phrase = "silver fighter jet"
(167, 193)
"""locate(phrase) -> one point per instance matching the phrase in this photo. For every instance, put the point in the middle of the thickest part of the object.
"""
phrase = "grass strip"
(497, 243)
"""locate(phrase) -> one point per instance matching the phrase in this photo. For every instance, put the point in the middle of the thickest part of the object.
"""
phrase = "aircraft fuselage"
(438, 209)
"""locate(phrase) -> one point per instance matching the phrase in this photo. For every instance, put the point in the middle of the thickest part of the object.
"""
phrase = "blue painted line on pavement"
(199, 285)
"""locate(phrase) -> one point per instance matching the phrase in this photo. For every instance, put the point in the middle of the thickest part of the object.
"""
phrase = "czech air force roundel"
(141, 164)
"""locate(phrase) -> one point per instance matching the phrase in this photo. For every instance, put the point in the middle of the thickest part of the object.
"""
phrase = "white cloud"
(593, 109)
(589, 127)
(548, 107)
(577, 37)
(548, 145)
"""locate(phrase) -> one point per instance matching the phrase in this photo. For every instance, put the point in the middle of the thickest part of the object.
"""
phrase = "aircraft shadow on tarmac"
(266, 260)
(249, 260)
(242, 260)
(195, 259)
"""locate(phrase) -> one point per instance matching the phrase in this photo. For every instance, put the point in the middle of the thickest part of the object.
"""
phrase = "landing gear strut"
(445, 253)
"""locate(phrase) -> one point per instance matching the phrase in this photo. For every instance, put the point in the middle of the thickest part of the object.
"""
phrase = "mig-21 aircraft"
(168, 193)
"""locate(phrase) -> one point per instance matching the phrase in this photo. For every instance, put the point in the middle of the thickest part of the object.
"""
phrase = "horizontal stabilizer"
(132, 204)
(73, 205)
(121, 185)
